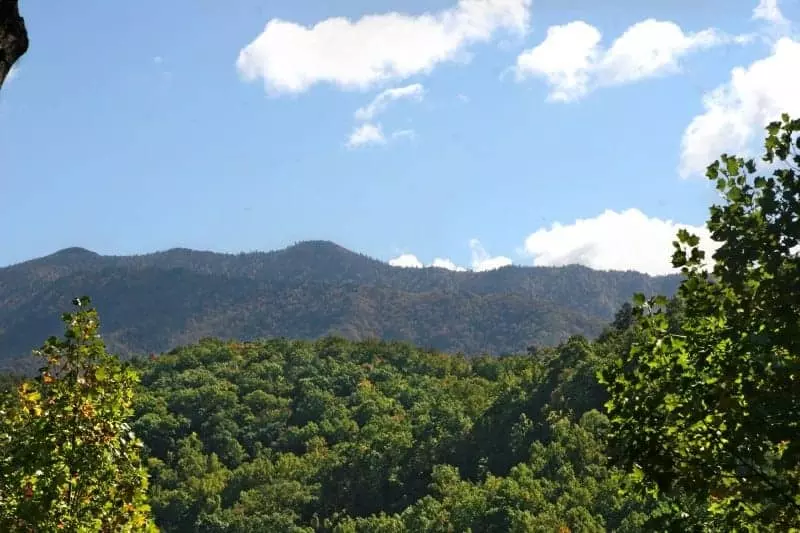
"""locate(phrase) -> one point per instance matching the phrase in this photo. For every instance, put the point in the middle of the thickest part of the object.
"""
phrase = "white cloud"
(623, 241)
(629, 240)
(374, 49)
(736, 112)
(406, 261)
(447, 264)
(565, 59)
(379, 104)
(768, 10)
(573, 62)
(366, 134)
(412, 261)
(369, 133)
(158, 60)
(404, 134)
(482, 261)
(653, 47)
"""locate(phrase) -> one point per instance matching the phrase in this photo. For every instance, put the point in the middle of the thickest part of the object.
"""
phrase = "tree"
(707, 403)
(68, 460)
(623, 319)
(13, 37)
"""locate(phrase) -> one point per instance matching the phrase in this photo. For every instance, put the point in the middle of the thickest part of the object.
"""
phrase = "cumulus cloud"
(628, 240)
(366, 134)
(412, 261)
(379, 104)
(623, 241)
(406, 261)
(447, 264)
(573, 62)
(374, 49)
(565, 59)
(482, 261)
(737, 111)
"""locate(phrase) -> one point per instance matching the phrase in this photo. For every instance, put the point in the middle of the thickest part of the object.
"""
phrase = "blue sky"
(507, 131)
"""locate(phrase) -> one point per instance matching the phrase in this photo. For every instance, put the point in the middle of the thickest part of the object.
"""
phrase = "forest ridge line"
(157, 301)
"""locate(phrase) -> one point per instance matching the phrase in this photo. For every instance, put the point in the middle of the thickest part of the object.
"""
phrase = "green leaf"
(732, 165)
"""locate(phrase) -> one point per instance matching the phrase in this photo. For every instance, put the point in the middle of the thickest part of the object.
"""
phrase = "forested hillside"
(339, 436)
(154, 302)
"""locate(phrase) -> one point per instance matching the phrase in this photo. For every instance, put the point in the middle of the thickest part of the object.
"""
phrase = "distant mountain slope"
(156, 301)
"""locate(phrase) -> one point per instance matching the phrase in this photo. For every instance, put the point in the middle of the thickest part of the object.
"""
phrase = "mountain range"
(154, 302)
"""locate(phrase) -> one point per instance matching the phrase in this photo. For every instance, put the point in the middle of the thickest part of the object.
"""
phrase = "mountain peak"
(318, 245)
(319, 249)
(69, 257)
(75, 251)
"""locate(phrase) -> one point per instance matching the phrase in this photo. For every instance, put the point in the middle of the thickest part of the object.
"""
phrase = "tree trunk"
(13, 36)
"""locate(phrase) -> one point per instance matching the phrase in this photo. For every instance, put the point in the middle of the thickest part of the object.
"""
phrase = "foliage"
(376, 436)
(710, 405)
(564, 485)
(68, 459)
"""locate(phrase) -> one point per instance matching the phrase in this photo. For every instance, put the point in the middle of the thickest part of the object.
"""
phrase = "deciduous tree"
(68, 459)
(710, 405)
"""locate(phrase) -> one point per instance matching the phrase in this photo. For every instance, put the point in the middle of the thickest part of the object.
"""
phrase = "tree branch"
(13, 37)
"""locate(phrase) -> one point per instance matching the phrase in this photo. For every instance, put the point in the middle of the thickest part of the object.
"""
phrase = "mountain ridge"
(303, 246)
(153, 302)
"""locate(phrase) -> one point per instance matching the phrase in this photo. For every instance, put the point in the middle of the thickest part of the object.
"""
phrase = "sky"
(464, 134)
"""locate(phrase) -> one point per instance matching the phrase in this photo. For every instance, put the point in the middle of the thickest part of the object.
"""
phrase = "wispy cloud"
(379, 104)
(482, 261)
(366, 134)
(769, 11)
(404, 134)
